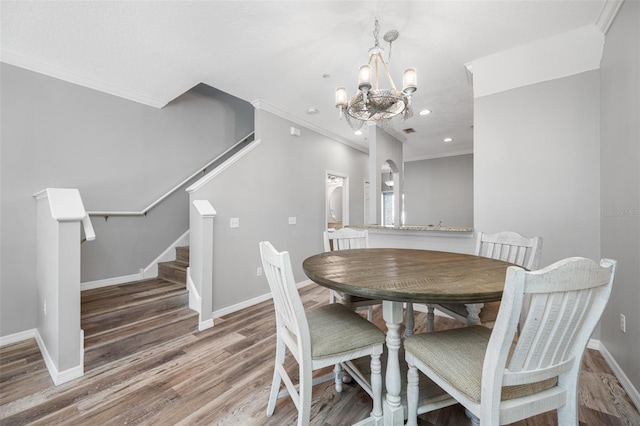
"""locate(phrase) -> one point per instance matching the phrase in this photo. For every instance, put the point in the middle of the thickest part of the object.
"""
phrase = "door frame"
(345, 196)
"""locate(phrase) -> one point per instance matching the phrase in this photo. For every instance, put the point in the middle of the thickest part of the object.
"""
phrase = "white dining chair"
(508, 246)
(502, 379)
(327, 335)
(346, 239)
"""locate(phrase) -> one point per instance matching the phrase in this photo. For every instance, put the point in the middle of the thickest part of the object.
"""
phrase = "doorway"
(336, 200)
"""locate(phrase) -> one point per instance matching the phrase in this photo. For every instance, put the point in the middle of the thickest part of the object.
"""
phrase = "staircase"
(125, 319)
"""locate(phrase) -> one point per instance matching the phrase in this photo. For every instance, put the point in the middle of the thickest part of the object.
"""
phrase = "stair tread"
(145, 325)
(95, 322)
(178, 264)
(130, 298)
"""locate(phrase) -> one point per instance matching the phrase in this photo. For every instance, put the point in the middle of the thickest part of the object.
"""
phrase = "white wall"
(620, 185)
(121, 155)
(284, 176)
(439, 189)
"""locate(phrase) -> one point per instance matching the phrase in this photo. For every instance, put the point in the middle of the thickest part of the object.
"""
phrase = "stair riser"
(117, 318)
(182, 254)
(96, 357)
(172, 274)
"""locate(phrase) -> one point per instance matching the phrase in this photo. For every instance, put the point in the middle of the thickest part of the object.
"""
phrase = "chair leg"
(568, 413)
(306, 383)
(376, 388)
(339, 377)
(412, 396)
(277, 379)
(430, 318)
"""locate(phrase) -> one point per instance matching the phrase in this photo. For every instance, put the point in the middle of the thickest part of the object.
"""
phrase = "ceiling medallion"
(372, 103)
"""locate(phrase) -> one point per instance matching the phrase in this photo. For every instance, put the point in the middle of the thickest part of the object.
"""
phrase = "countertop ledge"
(415, 228)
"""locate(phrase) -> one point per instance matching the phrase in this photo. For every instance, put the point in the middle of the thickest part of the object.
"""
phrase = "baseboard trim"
(60, 377)
(10, 339)
(251, 302)
(203, 325)
(90, 285)
(633, 393)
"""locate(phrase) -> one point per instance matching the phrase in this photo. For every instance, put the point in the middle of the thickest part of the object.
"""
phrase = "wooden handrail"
(144, 211)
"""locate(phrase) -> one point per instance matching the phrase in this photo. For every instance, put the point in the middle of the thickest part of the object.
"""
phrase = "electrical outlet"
(44, 307)
(259, 272)
(234, 222)
(292, 220)
(623, 323)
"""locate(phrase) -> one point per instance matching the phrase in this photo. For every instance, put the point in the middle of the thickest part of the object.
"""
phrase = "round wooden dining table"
(406, 275)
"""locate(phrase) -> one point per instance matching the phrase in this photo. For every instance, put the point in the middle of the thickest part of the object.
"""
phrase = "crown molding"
(55, 72)
(265, 106)
(608, 14)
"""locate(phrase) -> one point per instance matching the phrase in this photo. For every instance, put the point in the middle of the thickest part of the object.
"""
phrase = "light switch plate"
(292, 220)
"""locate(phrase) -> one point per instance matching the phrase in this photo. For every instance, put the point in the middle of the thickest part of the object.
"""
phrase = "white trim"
(55, 72)
(251, 302)
(151, 270)
(203, 325)
(265, 106)
(125, 279)
(222, 167)
(17, 337)
(608, 14)
(633, 393)
(60, 377)
(195, 301)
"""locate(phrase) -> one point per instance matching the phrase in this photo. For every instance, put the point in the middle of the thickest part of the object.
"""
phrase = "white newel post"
(59, 214)
(200, 275)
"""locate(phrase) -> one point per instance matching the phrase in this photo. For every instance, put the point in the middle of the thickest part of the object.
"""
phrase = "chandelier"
(371, 103)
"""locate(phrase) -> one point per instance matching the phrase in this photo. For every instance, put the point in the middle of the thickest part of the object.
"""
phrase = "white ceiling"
(278, 51)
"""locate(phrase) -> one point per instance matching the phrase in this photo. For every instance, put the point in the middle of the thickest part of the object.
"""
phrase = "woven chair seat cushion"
(336, 329)
(457, 356)
(488, 314)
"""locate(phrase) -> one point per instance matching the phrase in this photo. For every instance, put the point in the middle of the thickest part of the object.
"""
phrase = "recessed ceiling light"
(357, 132)
(312, 111)
(448, 139)
(425, 112)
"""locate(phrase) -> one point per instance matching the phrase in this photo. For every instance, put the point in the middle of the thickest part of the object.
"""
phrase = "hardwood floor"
(222, 376)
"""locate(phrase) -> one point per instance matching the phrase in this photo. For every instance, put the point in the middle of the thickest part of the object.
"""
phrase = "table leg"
(392, 313)
(474, 312)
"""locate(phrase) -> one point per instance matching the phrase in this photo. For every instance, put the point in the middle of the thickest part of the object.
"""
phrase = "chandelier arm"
(386, 71)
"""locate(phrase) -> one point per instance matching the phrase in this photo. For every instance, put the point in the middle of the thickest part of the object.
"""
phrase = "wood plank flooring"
(222, 376)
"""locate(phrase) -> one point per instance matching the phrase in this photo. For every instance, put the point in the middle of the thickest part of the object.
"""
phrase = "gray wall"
(283, 177)
(439, 189)
(537, 162)
(120, 155)
(537, 165)
(620, 185)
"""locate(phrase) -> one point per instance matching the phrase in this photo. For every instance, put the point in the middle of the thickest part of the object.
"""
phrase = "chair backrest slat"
(566, 302)
(510, 247)
(286, 299)
(345, 239)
